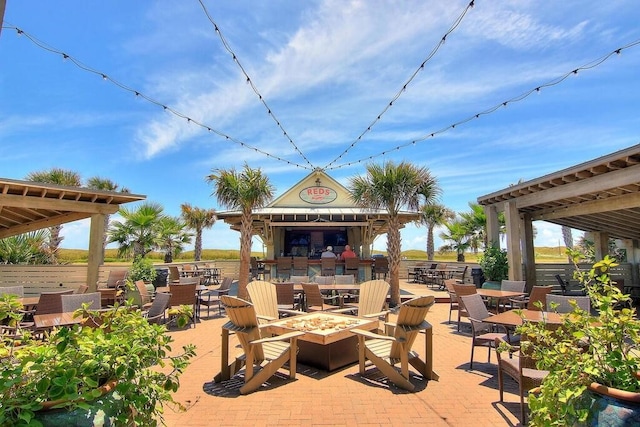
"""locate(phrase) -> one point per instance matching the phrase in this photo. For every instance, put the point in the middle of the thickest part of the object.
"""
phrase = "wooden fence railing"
(40, 278)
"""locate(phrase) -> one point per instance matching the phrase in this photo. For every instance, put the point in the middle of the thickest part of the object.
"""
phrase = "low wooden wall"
(39, 278)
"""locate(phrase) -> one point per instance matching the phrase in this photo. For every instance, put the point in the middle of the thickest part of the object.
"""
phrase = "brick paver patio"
(315, 398)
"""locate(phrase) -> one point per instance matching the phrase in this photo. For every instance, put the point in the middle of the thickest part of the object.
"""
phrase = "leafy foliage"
(142, 269)
(586, 349)
(71, 364)
(494, 263)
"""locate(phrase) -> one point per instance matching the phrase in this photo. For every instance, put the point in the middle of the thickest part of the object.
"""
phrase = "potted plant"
(124, 365)
(141, 269)
(592, 359)
(495, 266)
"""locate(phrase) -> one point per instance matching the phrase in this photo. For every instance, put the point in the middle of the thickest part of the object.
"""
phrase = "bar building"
(315, 213)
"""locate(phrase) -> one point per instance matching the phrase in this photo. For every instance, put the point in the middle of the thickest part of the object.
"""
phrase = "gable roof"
(601, 195)
(27, 206)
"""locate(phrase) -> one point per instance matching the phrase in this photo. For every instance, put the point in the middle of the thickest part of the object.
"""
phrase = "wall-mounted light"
(318, 182)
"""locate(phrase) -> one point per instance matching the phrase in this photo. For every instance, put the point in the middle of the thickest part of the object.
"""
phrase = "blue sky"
(326, 69)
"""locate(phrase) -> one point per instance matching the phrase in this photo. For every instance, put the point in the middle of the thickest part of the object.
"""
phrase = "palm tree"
(393, 187)
(568, 239)
(198, 219)
(56, 176)
(243, 190)
(433, 215)
(105, 184)
(172, 237)
(27, 248)
(457, 234)
(137, 234)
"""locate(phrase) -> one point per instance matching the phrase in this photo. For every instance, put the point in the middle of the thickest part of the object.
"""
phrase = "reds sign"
(318, 195)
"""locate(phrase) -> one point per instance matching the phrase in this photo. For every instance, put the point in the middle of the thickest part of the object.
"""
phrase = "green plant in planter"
(71, 365)
(494, 264)
(587, 349)
(142, 269)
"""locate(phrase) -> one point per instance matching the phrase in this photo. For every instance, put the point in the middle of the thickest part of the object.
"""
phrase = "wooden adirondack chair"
(275, 351)
(371, 300)
(264, 298)
(385, 351)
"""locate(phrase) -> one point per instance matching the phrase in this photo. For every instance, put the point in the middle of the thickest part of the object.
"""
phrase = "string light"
(518, 98)
(404, 86)
(250, 82)
(139, 94)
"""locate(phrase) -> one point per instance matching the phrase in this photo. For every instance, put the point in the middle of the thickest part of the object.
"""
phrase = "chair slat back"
(475, 306)
(82, 289)
(285, 294)
(300, 265)
(12, 290)
(298, 279)
(313, 295)
(462, 290)
(538, 294)
(144, 293)
(243, 315)
(563, 303)
(116, 278)
(344, 279)
(328, 266)
(73, 302)
(182, 294)
(264, 298)
(412, 313)
(373, 295)
(324, 280)
(160, 304)
(174, 273)
(513, 285)
(51, 302)
(226, 283)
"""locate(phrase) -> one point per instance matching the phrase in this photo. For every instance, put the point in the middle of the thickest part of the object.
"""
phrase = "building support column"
(96, 251)
(528, 253)
(493, 226)
(601, 244)
(514, 251)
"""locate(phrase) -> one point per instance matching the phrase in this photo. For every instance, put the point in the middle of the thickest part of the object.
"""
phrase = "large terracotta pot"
(98, 414)
(613, 407)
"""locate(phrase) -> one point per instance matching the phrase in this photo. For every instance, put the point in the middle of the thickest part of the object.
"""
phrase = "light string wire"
(250, 82)
(141, 95)
(521, 97)
(404, 86)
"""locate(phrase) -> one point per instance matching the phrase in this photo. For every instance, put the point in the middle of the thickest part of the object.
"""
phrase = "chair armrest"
(369, 334)
(287, 311)
(283, 337)
(263, 317)
(374, 315)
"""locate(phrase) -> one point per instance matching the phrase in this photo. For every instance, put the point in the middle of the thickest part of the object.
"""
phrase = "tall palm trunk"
(197, 252)
(246, 235)
(54, 242)
(430, 244)
(394, 251)
(568, 240)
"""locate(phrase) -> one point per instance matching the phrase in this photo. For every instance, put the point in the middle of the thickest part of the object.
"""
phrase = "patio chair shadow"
(374, 378)
(512, 408)
(231, 387)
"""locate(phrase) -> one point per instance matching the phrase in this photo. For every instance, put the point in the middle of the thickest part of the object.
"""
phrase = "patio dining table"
(499, 295)
(513, 318)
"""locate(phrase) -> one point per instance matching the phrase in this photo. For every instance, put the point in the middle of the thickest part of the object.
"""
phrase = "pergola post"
(601, 244)
(528, 254)
(514, 251)
(493, 226)
(96, 251)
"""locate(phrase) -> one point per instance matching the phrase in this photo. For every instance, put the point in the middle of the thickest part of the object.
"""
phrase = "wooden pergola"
(28, 206)
(601, 196)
